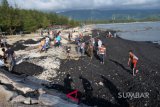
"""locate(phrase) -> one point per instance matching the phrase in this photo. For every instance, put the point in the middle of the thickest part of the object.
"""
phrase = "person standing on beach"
(10, 54)
(78, 47)
(58, 39)
(110, 34)
(82, 48)
(68, 50)
(133, 62)
(90, 50)
(93, 42)
(77, 39)
(99, 43)
(41, 32)
(102, 53)
(4, 57)
(4, 42)
(69, 36)
(42, 45)
(47, 42)
(81, 36)
(115, 35)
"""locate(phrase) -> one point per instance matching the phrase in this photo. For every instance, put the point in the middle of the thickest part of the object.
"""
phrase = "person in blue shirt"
(58, 39)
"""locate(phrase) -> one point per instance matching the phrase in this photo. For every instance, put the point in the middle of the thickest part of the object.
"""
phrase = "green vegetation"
(15, 20)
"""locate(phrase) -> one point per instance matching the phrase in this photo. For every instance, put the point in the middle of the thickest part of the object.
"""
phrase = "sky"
(64, 5)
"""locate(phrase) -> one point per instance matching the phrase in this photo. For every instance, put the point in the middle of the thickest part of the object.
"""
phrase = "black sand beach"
(101, 84)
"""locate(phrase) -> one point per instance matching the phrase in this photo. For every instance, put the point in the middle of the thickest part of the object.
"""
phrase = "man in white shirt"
(99, 43)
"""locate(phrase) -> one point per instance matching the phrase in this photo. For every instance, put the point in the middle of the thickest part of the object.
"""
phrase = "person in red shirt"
(133, 62)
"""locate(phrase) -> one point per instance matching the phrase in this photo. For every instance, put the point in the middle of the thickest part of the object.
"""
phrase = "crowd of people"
(45, 43)
(95, 46)
(91, 47)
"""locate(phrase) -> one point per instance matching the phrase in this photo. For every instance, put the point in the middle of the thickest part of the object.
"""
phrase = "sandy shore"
(38, 67)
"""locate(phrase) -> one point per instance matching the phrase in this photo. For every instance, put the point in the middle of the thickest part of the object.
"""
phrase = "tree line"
(14, 20)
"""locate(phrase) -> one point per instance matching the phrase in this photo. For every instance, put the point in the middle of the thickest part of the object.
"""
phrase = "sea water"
(137, 31)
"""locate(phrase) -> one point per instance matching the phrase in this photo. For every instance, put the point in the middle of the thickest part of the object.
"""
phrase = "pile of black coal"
(18, 46)
(30, 41)
(28, 69)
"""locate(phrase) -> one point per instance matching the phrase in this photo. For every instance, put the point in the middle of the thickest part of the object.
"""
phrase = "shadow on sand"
(85, 97)
(121, 65)
(114, 91)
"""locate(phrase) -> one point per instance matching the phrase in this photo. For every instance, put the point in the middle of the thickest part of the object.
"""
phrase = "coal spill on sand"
(28, 69)
(18, 46)
(30, 41)
(101, 85)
